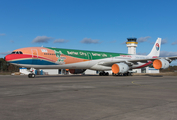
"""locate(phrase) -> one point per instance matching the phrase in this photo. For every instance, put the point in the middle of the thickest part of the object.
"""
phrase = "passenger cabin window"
(49, 54)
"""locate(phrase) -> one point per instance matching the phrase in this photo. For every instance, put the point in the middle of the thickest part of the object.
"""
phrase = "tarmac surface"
(88, 98)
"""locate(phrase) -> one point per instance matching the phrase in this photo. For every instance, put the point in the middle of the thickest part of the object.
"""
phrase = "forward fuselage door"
(34, 56)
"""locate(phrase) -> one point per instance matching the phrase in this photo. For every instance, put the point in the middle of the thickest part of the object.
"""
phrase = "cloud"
(114, 41)
(11, 41)
(60, 41)
(152, 43)
(2, 34)
(41, 39)
(143, 39)
(90, 41)
(139, 53)
(174, 43)
(167, 54)
(164, 41)
(124, 42)
(5, 53)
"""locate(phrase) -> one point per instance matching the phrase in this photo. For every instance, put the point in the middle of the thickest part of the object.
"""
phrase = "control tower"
(131, 44)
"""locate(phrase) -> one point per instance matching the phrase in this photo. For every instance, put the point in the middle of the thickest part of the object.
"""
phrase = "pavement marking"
(133, 82)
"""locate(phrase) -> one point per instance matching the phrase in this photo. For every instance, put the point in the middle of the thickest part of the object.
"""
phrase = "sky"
(97, 25)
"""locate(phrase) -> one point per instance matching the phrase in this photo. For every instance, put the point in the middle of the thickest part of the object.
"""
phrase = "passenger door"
(34, 56)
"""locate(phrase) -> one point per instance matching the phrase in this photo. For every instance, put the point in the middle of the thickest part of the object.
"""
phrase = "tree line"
(6, 67)
(170, 69)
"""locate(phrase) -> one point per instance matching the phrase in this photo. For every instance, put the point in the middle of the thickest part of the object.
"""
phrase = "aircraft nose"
(7, 57)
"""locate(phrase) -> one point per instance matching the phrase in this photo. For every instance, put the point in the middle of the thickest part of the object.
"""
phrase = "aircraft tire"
(125, 74)
(31, 75)
(107, 74)
(129, 74)
(103, 74)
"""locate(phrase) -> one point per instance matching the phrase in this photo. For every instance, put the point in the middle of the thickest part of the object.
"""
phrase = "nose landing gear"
(31, 75)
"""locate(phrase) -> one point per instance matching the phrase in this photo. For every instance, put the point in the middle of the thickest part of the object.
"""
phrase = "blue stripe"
(33, 62)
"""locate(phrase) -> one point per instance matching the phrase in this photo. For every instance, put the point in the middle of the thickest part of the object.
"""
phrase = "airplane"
(77, 61)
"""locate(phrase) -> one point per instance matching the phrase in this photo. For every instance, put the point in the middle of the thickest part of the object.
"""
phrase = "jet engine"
(120, 68)
(76, 71)
(160, 63)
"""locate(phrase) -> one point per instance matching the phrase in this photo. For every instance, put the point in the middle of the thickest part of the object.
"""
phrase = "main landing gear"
(122, 74)
(103, 74)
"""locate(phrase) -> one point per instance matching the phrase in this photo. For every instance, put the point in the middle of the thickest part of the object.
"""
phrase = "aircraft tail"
(155, 52)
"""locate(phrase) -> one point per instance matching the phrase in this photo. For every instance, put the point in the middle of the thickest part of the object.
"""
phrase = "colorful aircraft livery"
(77, 61)
(56, 56)
(157, 46)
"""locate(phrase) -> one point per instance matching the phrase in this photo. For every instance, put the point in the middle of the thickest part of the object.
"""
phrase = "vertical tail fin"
(155, 52)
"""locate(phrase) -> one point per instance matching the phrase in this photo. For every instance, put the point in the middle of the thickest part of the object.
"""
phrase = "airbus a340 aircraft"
(77, 61)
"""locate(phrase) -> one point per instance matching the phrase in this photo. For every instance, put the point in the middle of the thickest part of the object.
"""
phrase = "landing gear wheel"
(129, 74)
(125, 74)
(107, 74)
(100, 74)
(103, 74)
(31, 75)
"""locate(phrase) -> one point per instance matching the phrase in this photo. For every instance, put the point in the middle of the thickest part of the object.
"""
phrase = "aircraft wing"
(127, 61)
(134, 61)
(170, 58)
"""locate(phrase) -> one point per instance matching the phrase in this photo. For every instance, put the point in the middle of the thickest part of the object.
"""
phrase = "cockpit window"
(17, 52)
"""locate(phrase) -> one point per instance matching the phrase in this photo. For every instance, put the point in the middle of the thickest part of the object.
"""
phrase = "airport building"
(132, 44)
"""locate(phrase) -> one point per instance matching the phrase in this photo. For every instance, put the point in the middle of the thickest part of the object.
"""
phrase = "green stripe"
(83, 54)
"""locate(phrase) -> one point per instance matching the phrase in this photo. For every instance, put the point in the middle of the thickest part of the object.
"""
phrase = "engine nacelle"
(76, 71)
(160, 63)
(120, 68)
